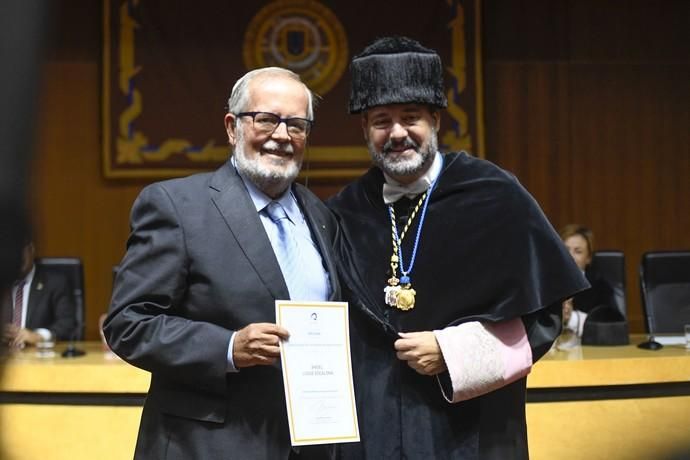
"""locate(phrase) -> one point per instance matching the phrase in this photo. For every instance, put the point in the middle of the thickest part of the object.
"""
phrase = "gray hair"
(237, 102)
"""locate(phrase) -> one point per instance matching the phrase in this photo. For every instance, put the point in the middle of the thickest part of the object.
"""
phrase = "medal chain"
(397, 242)
(399, 292)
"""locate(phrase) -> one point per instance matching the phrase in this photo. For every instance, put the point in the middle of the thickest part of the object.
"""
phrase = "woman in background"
(580, 243)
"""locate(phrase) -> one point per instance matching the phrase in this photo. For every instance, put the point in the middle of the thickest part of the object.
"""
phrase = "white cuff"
(231, 363)
(576, 322)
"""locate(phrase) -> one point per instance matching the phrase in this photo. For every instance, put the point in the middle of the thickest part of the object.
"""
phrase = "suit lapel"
(232, 200)
(318, 234)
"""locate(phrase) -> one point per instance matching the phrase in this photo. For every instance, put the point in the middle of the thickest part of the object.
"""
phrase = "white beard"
(269, 179)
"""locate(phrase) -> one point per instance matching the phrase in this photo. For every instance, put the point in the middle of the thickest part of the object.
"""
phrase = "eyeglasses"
(267, 123)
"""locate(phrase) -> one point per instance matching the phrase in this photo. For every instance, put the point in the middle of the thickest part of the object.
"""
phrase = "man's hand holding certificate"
(317, 372)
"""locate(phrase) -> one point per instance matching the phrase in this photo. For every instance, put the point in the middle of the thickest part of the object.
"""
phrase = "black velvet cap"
(605, 326)
(396, 70)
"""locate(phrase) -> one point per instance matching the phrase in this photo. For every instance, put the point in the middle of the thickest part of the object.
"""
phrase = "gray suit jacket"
(198, 266)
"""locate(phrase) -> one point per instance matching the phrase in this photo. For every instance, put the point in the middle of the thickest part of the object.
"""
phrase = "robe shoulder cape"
(486, 252)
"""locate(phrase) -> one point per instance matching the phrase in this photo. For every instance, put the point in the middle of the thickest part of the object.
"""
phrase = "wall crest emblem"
(301, 35)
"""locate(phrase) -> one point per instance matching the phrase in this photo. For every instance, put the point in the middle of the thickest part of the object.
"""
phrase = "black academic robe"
(486, 253)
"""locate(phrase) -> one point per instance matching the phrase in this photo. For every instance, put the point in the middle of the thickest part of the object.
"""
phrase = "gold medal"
(405, 298)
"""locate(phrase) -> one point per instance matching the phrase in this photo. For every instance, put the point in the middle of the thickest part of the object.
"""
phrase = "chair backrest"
(665, 288)
(610, 266)
(73, 269)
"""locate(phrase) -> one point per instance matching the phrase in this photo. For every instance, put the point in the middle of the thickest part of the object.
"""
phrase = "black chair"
(665, 289)
(610, 266)
(605, 301)
(73, 269)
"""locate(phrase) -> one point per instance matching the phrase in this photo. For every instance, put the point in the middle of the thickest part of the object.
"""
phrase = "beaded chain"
(399, 292)
(394, 234)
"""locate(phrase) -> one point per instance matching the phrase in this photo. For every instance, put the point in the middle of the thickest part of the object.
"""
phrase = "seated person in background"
(580, 243)
(41, 307)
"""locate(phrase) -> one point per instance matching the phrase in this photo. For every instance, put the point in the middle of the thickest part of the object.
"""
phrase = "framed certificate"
(317, 372)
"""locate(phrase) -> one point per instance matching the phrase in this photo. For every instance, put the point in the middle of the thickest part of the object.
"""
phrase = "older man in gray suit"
(208, 255)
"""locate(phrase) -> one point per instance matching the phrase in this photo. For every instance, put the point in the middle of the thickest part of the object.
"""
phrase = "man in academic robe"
(454, 275)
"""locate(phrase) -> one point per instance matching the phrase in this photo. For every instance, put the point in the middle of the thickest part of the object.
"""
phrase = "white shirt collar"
(394, 190)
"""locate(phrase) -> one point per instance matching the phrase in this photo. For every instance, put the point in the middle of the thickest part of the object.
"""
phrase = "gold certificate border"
(280, 304)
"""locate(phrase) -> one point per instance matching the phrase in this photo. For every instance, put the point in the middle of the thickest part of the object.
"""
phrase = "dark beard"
(407, 167)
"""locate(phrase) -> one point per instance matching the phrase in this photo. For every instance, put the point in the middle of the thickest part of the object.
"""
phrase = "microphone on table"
(650, 344)
(72, 351)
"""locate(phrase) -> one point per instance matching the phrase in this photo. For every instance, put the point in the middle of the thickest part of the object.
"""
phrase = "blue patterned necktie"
(286, 249)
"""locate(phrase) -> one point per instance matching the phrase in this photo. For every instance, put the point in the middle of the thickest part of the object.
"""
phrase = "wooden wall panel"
(528, 129)
(587, 102)
(617, 137)
(76, 212)
(634, 150)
